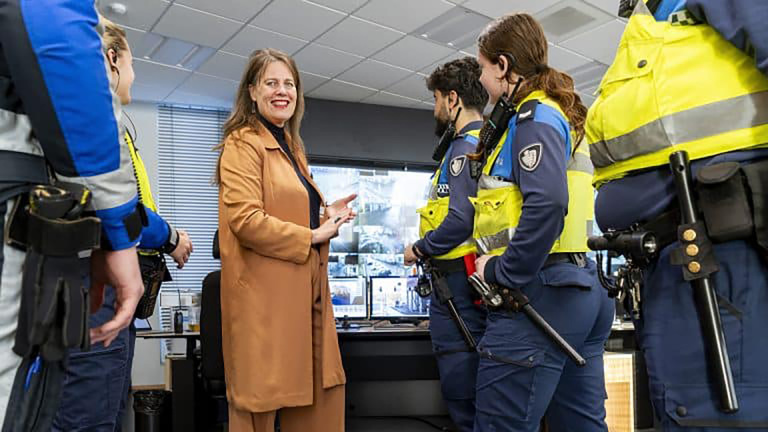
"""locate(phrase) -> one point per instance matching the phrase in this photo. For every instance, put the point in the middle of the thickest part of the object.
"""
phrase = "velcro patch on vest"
(457, 165)
(530, 157)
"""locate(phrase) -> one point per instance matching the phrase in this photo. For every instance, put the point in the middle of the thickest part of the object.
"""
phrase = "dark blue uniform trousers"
(670, 336)
(523, 376)
(457, 365)
(98, 381)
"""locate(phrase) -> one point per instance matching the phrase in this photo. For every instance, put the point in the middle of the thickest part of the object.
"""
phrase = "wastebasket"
(148, 407)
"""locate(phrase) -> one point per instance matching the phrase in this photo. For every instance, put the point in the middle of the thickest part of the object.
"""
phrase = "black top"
(314, 197)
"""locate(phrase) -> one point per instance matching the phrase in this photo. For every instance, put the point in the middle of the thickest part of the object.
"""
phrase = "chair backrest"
(210, 328)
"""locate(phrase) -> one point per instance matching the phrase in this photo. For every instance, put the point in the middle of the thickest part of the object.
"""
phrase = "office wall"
(333, 132)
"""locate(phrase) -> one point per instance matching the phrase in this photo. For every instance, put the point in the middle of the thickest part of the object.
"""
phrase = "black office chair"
(212, 360)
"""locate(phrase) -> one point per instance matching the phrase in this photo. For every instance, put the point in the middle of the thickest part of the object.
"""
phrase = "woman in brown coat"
(279, 337)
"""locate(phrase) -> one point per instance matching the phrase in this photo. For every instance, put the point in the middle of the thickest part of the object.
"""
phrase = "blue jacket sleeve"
(53, 53)
(545, 204)
(741, 22)
(156, 233)
(456, 228)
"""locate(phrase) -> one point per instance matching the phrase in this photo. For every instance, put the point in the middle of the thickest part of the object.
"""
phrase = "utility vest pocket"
(432, 215)
(497, 213)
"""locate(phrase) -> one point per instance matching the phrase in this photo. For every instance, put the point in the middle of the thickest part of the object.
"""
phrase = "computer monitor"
(348, 297)
(396, 297)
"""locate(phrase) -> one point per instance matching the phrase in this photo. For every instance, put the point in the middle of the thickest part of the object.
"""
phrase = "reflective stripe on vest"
(436, 209)
(674, 88)
(140, 173)
(499, 203)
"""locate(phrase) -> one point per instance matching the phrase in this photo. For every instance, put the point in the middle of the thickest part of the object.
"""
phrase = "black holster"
(154, 272)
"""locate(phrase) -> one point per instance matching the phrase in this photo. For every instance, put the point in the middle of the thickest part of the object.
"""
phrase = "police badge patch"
(457, 164)
(530, 156)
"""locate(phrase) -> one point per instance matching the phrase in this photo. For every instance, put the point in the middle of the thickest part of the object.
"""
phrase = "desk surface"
(166, 334)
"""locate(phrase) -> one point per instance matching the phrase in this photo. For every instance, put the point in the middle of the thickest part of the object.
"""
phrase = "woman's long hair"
(520, 38)
(245, 112)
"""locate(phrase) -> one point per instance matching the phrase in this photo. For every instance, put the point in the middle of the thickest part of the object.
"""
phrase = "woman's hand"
(480, 265)
(330, 228)
(333, 210)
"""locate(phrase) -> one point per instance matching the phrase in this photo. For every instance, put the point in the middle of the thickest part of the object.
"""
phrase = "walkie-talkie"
(496, 124)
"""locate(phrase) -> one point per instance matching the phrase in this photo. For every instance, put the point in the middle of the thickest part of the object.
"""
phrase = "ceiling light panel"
(403, 15)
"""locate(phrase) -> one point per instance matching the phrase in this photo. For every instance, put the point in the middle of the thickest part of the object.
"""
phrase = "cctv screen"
(397, 297)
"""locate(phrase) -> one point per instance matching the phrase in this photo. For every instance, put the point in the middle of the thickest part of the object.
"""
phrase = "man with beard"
(446, 230)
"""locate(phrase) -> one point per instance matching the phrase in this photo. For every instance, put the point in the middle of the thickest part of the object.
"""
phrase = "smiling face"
(275, 93)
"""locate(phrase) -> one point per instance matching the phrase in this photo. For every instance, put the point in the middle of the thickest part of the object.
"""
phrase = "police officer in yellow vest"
(532, 214)
(677, 84)
(101, 377)
(446, 230)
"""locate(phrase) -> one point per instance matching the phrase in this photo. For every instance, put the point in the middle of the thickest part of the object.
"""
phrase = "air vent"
(569, 18)
(457, 28)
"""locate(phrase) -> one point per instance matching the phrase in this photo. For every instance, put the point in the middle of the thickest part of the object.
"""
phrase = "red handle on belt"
(469, 263)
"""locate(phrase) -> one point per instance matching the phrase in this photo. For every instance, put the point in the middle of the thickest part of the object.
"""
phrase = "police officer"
(676, 84)
(56, 109)
(87, 371)
(446, 230)
(532, 214)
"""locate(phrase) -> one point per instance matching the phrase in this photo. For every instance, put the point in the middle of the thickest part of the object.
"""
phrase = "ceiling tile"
(134, 37)
(610, 6)
(140, 14)
(431, 68)
(563, 59)
(325, 61)
(252, 38)
(412, 53)
(342, 5)
(239, 10)
(158, 75)
(569, 18)
(343, 91)
(145, 92)
(297, 18)
(311, 81)
(172, 51)
(414, 86)
(210, 86)
(423, 106)
(497, 8)
(225, 65)
(391, 99)
(184, 98)
(372, 73)
(185, 23)
(599, 43)
(348, 36)
(403, 15)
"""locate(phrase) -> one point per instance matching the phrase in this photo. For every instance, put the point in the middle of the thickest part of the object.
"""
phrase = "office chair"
(212, 360)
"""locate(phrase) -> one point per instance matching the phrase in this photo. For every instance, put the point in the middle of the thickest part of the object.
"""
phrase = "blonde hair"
(112, 37)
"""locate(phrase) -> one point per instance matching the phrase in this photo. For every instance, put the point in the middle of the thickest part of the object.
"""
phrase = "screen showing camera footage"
(348, 297)
(397, 297)
(386, 220)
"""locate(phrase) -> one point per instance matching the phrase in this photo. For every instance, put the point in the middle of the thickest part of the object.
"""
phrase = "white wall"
(147, 369)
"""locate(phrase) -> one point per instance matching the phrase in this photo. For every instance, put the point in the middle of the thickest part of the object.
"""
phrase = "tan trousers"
(326, 414)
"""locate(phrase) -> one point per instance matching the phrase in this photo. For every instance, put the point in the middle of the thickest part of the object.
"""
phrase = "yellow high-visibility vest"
(499, 202)
(436, 210)
(671, 88)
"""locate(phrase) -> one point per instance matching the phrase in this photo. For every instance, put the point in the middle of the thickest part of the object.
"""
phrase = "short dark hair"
(462, 76)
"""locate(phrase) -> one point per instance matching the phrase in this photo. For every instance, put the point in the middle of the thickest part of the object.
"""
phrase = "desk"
(182, 379)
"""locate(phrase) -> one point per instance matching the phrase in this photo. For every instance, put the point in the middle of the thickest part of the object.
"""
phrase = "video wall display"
(386, 220)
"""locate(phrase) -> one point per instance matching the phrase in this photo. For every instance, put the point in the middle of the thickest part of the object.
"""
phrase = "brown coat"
(266, 288)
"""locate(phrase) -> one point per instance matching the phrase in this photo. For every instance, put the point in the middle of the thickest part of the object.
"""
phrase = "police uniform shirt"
(533, 157)
(456, 228)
